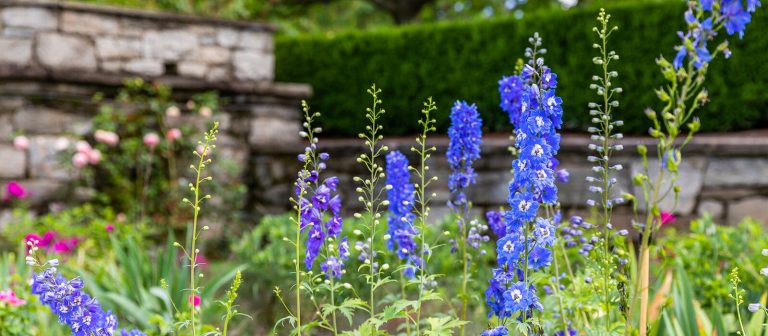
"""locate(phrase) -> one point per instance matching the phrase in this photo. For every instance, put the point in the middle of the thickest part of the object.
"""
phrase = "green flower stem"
(207, 146)
(422, 198)
(370, 195)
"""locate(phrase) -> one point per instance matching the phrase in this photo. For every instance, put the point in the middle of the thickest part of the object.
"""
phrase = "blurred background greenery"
(294, 17)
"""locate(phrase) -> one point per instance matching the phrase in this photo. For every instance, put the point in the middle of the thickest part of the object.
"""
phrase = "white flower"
(754, 307)
(765, 252)
(764, 271)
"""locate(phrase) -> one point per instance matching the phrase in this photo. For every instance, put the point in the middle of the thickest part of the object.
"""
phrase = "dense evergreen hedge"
(465, 61)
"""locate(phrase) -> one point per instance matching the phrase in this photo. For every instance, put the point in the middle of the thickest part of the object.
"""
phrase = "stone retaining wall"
(55, 56)
(725, 175)
(44, 37)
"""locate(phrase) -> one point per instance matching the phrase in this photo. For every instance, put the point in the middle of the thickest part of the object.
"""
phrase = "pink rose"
(94, 157)
(173, 134)
(21, 142)
(82, 146)
(80, 159)
(106, 137)
(151, 140)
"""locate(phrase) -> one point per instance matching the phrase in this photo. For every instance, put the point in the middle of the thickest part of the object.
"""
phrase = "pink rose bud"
(80, 160)
(94, 157)
(151, 140)
(206, 112)
(106, 137)
(21, 142)
(194, 300)
(82, 146)
(121, 217)
(173, 134)
(173, 112)
(110, 227)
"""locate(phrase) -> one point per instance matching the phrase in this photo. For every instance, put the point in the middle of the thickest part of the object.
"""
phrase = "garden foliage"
(465, 59)
(340, 276)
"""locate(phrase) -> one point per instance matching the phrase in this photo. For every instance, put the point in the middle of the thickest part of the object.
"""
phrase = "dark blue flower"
(400, 221)
(465, 135)
(82, 313)
(498, 331)
(735, 17)
(496, 222)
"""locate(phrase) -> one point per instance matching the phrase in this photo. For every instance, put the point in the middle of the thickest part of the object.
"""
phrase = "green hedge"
(465, 61)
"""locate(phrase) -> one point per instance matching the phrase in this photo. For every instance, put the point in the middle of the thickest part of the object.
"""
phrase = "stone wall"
(55, 56)
(43, 37)
(725, 175)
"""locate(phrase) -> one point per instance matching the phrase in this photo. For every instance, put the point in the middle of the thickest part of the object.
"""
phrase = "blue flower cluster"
(731, 14)
(82, 313)
(496, 222)
(321, 215)
(400, 229)
(465, 136)
(498, 331)
(528, 238)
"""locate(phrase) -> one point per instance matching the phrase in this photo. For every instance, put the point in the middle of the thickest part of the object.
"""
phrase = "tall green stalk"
(605, 134)
(422, 199)
(370, 193)
(204, 150)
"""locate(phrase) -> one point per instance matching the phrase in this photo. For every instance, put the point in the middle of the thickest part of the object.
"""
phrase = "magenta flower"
(109, 227)
(201, 261)
(65, 246)
(15, 190)
(667, 217)
(194, 300)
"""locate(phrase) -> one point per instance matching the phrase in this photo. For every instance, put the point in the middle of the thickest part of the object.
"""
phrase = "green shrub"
(465, 60)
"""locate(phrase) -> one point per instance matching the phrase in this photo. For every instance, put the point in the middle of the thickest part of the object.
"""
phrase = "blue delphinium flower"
(465, 136)
(511, 89)
(400, 194)
(732, 15)
(527, 237)
(82, 313)
(498, 331)
(570, 332)
(320, 215)
(496, 222)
